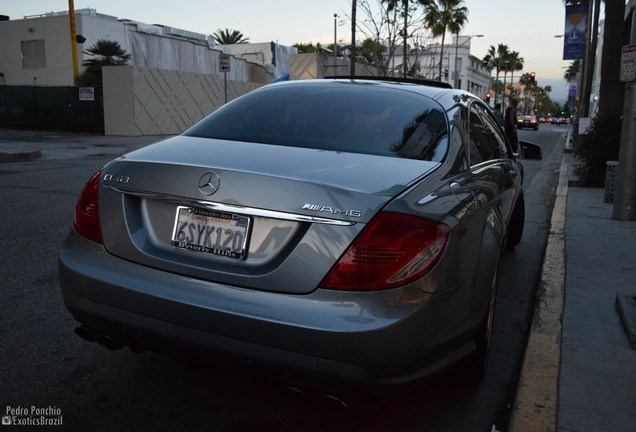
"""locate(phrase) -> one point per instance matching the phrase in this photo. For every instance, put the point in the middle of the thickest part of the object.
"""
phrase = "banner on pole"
(574, 36)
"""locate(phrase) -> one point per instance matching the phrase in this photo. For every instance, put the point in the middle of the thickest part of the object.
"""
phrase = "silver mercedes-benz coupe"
(350, 230)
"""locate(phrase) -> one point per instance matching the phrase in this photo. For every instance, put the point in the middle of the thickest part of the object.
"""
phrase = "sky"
(525, 26)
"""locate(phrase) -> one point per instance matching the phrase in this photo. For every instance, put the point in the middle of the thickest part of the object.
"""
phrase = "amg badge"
(332, 210)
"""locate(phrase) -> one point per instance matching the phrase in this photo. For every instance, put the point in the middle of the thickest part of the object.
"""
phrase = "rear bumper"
(388, 337)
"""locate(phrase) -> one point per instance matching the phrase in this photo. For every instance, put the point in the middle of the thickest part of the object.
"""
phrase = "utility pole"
(625, 190)
(335, 38)
(353, 38)
(71, 14)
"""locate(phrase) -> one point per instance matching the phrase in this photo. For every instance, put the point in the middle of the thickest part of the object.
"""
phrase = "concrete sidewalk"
(579, 371)
(17, 145)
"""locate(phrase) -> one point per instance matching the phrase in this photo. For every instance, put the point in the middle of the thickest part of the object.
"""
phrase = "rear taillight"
(393, 250)
(86, 221)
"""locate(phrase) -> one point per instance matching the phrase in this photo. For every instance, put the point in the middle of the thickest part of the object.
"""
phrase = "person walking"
(510, 124)
(498, 114)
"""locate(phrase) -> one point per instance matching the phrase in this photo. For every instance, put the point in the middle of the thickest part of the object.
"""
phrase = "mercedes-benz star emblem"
(209, 183)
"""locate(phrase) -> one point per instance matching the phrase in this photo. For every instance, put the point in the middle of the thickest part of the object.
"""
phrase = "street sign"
(628, 63)
(224, 62)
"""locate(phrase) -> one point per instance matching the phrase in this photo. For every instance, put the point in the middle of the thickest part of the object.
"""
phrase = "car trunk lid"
(301, 207)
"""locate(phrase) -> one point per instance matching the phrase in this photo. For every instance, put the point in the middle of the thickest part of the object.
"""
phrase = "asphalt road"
(44, 365)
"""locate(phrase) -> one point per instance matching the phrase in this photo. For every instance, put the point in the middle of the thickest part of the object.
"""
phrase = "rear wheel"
(476, 363)
(515, 226)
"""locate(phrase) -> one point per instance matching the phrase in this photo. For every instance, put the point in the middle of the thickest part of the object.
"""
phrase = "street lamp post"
(457, 46)
(335, 37)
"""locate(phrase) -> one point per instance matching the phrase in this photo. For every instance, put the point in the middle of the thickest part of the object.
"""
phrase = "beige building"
(457, 64)
(37, 49)
(173, 79)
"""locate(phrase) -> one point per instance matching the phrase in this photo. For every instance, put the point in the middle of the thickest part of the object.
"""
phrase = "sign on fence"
(87, 93)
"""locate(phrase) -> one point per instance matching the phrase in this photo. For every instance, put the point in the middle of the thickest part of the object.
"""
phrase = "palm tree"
(229, 37)
(530, 88)
(572, 70)
(512, 63)
(391, 5)
(495, 60)
(548, 90)
(106, 53)
(442, 16)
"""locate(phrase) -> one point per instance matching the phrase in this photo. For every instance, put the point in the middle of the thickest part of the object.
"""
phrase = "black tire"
(476, 364)
(517, 220)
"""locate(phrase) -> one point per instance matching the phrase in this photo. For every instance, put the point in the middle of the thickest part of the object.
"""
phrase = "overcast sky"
(526, 26)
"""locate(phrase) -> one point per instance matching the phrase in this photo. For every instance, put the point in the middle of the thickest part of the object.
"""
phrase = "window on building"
(33, 55)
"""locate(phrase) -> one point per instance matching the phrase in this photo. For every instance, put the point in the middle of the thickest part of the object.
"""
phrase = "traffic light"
(532, 75)
(487, 97)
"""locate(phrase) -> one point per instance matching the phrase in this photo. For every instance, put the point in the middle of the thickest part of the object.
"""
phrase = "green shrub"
(600, 145)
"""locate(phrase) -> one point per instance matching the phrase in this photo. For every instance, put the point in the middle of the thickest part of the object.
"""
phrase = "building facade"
(37, 50)
(459, 67)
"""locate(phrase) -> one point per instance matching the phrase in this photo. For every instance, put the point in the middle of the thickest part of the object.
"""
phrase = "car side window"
(495, 132)
(484, 140)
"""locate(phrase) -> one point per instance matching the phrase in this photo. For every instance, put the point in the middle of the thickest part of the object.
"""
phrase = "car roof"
(435, 90)
(424, 82)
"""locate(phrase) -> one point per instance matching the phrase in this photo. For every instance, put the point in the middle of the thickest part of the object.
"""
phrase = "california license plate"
(211, 232)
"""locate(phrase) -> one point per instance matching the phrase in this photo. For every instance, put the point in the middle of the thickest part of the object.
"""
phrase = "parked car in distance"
(527, 121)
(349, 230)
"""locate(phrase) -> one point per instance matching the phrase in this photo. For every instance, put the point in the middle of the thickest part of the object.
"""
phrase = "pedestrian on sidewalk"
(498, 114)
(510, 124)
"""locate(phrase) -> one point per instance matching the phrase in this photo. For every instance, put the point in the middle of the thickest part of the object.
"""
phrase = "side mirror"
(530, 150)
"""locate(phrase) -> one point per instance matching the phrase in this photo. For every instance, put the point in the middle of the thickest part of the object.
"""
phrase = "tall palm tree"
(442, 16)
(513, 63)
(495, 60)
(391, 5)
(530, 88)
(548, 90)
(229, 37)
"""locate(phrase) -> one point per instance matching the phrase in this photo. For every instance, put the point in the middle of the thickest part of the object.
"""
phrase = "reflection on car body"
(352, 233)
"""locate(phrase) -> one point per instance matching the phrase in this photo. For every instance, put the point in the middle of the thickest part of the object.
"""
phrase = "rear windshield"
(358, 118)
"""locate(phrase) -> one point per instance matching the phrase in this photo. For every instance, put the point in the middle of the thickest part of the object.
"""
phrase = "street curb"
(569, 148)
(20, 157)
(536, 401)
(626, 307)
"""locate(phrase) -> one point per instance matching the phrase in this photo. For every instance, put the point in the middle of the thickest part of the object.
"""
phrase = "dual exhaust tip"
(302, 397)
(294, 393)
(104, 340)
